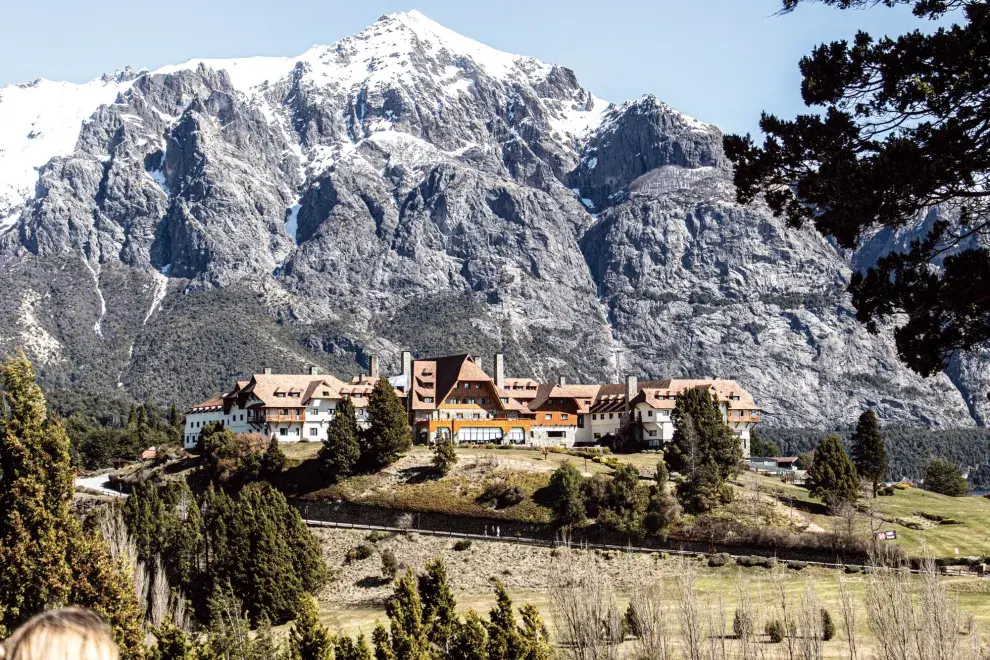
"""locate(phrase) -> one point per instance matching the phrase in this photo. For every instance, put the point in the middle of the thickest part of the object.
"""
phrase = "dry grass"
(353, 601)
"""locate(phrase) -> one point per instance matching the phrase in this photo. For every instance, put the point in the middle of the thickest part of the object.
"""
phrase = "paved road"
(98, 483)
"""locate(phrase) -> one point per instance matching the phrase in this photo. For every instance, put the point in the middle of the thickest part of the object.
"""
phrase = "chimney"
(500, 370)
(561, 380)
(268, 371)
(314, 370)
(373, 366)
(407, 369)
(477, 361)
(632, 388)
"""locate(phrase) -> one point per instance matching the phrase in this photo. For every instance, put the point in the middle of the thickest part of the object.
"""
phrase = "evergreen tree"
(309, 640)
(944, 477)
(176, 423)
(828, 626)
(172, 643)
(264, 645)
(439, 613)
(868, 452)
(141, 428)
(390, 564)
(444, 455)
(470, 639)
(388, 433)
(715, 441)
(408, 640)
(344, 648)
(382, 643)
(704, 490)
(661, 475)
(341, 452)
(760, 447)
(504, 639)
(273, 462)
(566, 495)
(833, 475)
(897, 127)
(46, 559)
(535, 636)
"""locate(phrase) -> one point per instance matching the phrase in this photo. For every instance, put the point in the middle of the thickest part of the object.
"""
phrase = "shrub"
(390, 565)
(362, 551)
(376, 536)
(775, 631)
(462, 544)
(797, 565)
(853, 569)
(719, 560)
(742, 624)
(501, 495)
(828, 626)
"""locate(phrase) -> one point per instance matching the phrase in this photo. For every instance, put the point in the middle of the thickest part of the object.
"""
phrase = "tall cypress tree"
(388, 433)
(439, 606)
(341, 452)
(309, 640)
(868, 452)
(408, 640)
(716, 442)
(504, 640)
(46, 559)
(833, 475)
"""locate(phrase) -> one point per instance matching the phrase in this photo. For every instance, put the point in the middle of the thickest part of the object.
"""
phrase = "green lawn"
(972, 537)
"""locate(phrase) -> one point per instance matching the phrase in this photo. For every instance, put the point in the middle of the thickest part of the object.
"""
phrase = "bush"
(828, 626)
(775, 630)
(852, 570)
(390, 565)
(742, 624)
(797, 565)
(376, 536)
(362, 551)
(719, 560)
(501, 495)
(462, 544)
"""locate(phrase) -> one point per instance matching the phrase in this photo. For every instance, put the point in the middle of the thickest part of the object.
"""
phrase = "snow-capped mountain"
(161, 232)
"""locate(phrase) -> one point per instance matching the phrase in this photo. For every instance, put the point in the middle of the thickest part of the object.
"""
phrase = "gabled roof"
(435, 379)
(267, 388)
(212, 404)
(661, 394)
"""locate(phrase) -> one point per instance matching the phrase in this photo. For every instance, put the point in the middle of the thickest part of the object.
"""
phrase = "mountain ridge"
(405, 188)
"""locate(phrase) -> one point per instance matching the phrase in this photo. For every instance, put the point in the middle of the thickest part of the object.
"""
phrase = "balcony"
(276, 415)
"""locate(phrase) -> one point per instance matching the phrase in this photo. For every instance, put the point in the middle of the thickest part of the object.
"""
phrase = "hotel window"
(460, 415)
(598, 435)
(297, 431)
(294, 394)
(313, 431)
(314, 411)
(283, 432)
(548, 416)
(649, 413)
(610, 415)
(477, 415)
(280, 394)
(477, 386)
(325, 393)
(427, 399)
(467, 386)
(653, 433)
(483, 401)
(505, 399)
(471, 401)
(283, 411)
(565, 416)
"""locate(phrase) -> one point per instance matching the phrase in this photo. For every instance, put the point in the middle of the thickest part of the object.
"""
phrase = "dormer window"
(294, 394)
(280, 394)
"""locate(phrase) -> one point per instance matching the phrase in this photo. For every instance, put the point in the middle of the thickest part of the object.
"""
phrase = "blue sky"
(721, 61)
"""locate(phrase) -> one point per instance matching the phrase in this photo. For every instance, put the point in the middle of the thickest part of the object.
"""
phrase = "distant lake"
(979, 493)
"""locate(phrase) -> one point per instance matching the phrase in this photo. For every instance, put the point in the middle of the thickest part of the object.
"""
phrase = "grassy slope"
(409, 486)
(970, 538)
(354, 600)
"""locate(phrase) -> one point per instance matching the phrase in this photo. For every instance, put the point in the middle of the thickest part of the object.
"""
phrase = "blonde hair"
(71, 633)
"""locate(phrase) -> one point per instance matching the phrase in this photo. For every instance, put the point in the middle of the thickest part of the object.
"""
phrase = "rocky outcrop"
(410, 188)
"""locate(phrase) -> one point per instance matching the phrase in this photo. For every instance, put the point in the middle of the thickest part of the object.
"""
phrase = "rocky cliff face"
(411, 188)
